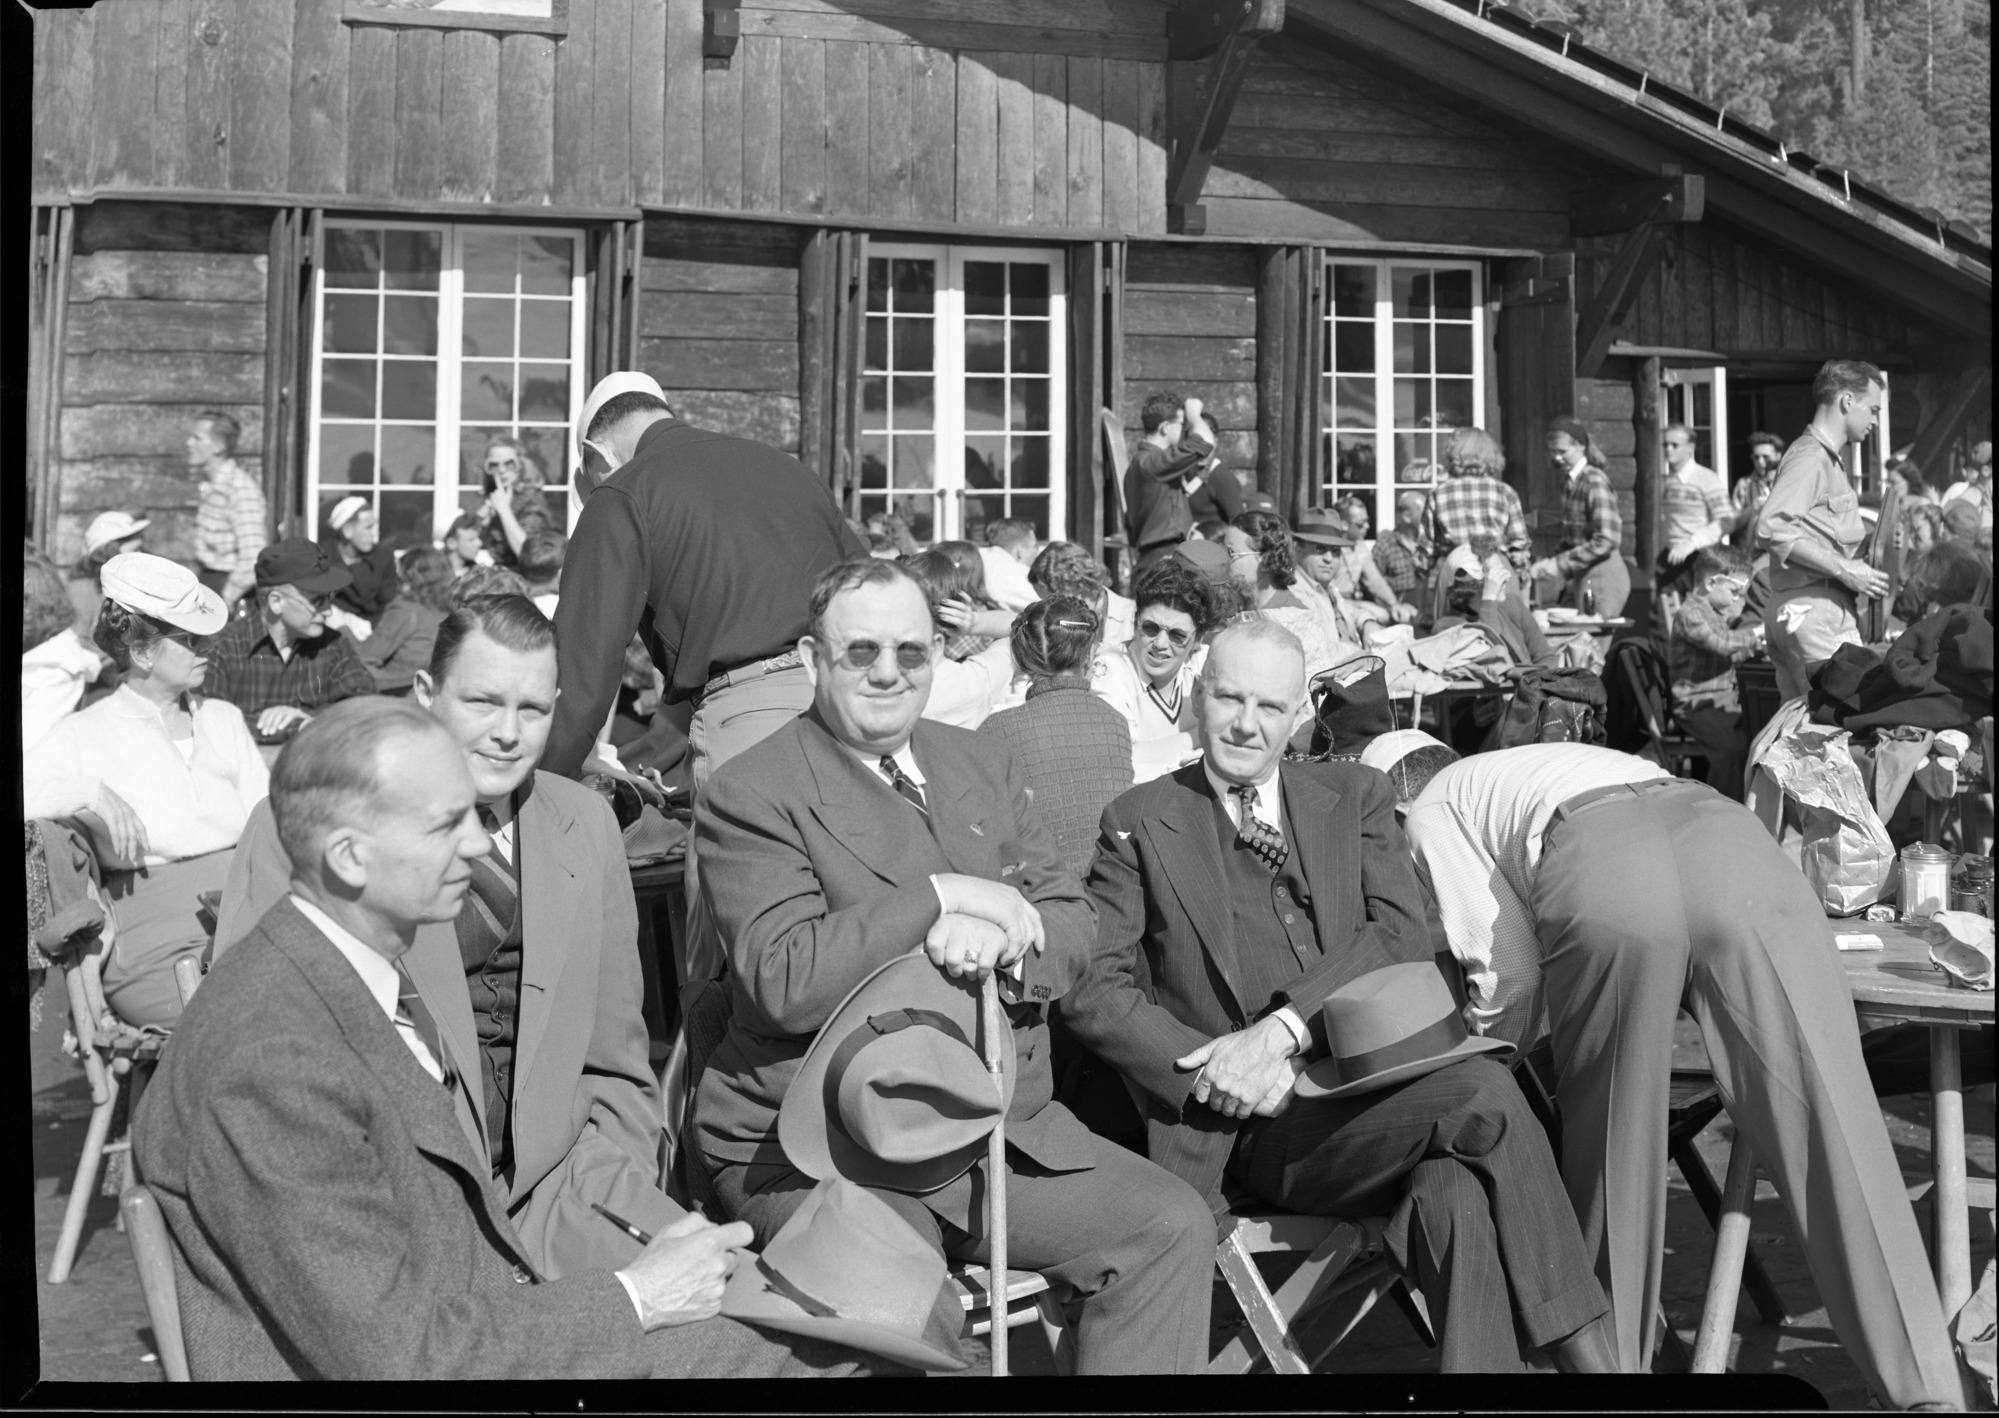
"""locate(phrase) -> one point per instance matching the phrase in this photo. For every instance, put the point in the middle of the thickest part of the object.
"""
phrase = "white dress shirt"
(379, 974)
(1267, 807)
(1476, 832)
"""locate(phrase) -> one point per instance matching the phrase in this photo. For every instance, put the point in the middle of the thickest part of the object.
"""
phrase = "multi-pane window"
(434, 340)
(1404, 365)
(1698, 398)
(961, 389)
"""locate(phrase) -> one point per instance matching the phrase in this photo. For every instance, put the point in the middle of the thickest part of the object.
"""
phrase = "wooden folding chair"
(153, 1253)
(1344, 1272)
(1645, 676)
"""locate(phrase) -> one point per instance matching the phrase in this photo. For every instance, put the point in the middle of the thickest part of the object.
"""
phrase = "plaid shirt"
(229, 526)
(245, 668)
(1748, 497)
(1592, 531)
(1402, 568)
(1701, 655)
(1460, 508)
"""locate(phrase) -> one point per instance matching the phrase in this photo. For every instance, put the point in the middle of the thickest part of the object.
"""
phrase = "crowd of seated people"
(1007, 769)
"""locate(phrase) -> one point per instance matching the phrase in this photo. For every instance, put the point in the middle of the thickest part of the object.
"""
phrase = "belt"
(1168, 542)
(1617, 792)
(743, 674)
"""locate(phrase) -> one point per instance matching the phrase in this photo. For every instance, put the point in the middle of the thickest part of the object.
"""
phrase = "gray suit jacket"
(1165, 977)
(586, 1106)
(332, 1219)
(818, 874)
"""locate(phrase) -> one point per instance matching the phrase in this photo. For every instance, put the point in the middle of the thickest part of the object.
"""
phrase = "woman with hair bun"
(1074, 748)
(161, 778)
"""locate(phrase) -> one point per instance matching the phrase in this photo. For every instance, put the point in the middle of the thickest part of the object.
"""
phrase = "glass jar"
(1925, 881)
(1971, 886)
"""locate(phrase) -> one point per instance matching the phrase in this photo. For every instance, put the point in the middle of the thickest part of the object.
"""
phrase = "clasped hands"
(985, 925)
(1247, 1073)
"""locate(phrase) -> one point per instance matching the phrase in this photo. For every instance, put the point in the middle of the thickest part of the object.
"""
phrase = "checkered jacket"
(1461, 508)
(1402, 568)
(245, 668)
(1591, 529)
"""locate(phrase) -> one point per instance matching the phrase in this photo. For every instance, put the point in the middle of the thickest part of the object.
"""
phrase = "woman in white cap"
(109, 534)
(354, 534)
(162, 778)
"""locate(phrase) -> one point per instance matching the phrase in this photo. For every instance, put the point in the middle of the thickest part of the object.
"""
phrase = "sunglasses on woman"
(860, 654)
(1152, 630)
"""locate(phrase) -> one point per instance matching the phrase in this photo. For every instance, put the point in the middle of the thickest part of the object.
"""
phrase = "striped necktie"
(414, 1015)
(496, 890)
(1266, 841)
(904, 784)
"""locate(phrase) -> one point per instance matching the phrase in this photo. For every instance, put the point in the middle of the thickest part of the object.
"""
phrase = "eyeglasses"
(1729, 583)
(188, 640)
(314, 603)
(1152, 630)
(860, 654)
(495, 465)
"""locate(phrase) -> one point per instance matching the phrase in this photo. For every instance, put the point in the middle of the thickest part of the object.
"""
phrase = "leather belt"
(743, 674)
(1616, 792)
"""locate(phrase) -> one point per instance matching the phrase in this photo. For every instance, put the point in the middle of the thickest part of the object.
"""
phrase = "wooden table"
(1898, 985)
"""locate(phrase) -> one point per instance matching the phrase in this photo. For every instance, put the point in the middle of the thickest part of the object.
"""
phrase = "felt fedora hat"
(845, 1267)
(893, 1092)
(1325, 526)
(1389, 1026)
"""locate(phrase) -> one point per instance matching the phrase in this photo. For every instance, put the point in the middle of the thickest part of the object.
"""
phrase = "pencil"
(623, 1225)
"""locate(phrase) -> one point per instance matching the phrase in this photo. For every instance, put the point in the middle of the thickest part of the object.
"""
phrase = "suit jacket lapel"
(1309, 805)
(439, 972)
(895, 845)
(546, 865)
(957, 823)
(436, 1127)
(1184, 835)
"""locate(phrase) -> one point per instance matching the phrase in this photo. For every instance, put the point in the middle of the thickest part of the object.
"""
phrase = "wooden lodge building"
(925, 244)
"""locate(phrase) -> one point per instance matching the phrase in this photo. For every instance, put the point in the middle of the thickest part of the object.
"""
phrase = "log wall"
(166, 318)
(1190, 327)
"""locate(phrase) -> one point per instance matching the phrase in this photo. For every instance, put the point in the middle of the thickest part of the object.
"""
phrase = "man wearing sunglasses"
(279, 664)
(861, 832)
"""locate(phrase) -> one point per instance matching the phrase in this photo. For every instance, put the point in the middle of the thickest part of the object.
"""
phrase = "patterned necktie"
(904, 784)
(1266, 841)
(496, 891)
(413, 1014)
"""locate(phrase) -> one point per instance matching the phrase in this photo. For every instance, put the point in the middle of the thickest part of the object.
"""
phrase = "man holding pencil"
(331, 1218)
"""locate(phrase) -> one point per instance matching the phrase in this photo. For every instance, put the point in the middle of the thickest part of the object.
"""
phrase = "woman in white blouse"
(162, 778)
(1151, 680)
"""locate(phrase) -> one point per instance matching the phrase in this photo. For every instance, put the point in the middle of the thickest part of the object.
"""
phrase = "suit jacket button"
(521, 1276)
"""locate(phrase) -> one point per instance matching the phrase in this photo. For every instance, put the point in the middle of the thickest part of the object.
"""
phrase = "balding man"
(330, 1219)
(1233, 897)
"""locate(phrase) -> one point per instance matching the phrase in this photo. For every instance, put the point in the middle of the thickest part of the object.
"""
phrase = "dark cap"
(1254, 501)
(302, 564)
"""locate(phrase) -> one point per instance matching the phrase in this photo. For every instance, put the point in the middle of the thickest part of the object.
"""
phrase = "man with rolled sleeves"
(1811, 524)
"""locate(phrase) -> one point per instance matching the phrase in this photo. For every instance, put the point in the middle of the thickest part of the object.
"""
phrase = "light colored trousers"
(1803, 627)
(1676, 897)
(729, 721)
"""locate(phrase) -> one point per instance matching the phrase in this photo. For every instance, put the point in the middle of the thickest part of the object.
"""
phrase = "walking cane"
(991, 1021)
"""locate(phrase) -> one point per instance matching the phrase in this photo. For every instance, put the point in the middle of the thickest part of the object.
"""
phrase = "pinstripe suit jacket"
(1165, 976)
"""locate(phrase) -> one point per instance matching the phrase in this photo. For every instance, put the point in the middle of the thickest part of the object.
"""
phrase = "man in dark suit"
(859, 833)
(536, 984)
(1232, 899)
(331, 1219)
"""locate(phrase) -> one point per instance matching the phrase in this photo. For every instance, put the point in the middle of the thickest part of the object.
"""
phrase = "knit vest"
(1276, 939)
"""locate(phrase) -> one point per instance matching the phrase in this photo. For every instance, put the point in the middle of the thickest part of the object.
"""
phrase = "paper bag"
(1845, 852)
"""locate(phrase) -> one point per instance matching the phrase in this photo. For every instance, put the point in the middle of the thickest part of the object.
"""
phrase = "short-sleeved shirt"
(1812, 501)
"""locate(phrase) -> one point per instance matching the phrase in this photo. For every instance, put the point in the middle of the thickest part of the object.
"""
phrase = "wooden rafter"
(1643, 210)
(1227, 30)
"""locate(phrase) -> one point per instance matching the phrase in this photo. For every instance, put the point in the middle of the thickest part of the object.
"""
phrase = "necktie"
(413, 1014)
(495, 889)
(904, 784)
(1263, 839)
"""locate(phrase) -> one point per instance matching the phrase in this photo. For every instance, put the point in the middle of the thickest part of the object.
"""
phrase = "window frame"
(1686, 378)
(948, 490)
(1324, 409)
(446, 496)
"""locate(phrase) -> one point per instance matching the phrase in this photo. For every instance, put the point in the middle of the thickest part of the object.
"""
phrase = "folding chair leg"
(1731, 1242)
(1259, 1307)
(85, 1186)
(1756, 1280)
(1414, 1310)
(1679, 1358)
